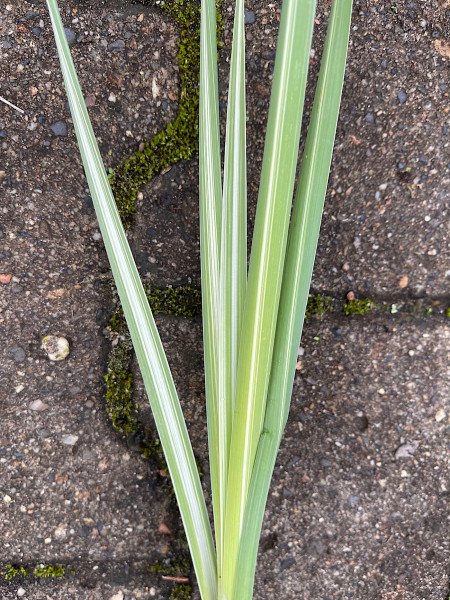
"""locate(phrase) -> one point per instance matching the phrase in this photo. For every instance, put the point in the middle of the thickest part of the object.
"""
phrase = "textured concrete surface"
(359, 502)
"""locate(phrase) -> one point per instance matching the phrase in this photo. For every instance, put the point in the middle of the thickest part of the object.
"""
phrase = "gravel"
(17, 353)
(71, 36)
(59, 128)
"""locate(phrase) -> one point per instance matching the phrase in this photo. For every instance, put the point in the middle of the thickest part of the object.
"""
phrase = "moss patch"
(40, 571)
(181, 592)
(318, 305)
(180, 567)
(49, 571)
(357, 307)
(11, 572)
(119, 388)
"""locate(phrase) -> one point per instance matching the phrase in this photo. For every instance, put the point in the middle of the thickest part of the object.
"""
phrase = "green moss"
(184, 301)
(179, 140)
(181, 591)
(152, 449)
(357, 307)
(49, 571)
(318, 305)
(12, 572)
(179, 567)
(119, 387)
(40, 570)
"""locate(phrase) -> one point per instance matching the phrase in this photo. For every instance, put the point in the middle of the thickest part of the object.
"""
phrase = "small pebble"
(89, 101)
(351, 296)
(286, 563)
(406, 450)
(37, 31)
(403, 281)
(369, 118)
(3, 133)
(112, 98)
(249, 17)
(21, 592)
(402, 96)
(71, 36)
(440, 415)
(38, 406)
(116, 46)
(84, 531)
(5, 277)
(69, 440)
(17, 353)
(59, 128)
(60, 532)
(57, 347)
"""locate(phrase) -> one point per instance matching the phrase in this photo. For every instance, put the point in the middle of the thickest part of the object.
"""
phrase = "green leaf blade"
(210, 188)
(147, 344)
(233, 261)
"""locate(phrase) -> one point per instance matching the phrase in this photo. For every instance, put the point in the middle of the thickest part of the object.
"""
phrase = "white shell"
(57, 347)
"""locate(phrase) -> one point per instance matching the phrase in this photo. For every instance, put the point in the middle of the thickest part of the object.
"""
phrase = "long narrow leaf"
(210, 231)
(233, 261)
(266, 263)
(300, 253)
(147, 344)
